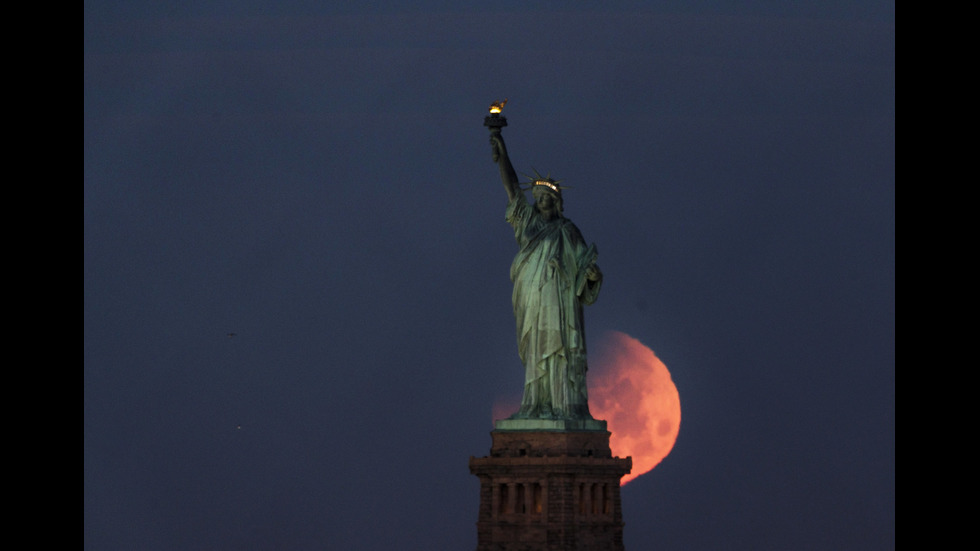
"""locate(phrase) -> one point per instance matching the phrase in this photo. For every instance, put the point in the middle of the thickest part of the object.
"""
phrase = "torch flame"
(497, 106)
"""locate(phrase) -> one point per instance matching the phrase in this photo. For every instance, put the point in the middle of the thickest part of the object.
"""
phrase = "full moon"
(632, 390)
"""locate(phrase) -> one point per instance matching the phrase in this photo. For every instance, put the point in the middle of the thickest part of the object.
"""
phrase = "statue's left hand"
(593, 273)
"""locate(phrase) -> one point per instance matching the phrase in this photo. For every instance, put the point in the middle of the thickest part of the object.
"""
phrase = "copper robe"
(550, 288)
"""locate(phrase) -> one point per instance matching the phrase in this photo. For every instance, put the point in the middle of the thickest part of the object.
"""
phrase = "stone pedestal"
(550, 490)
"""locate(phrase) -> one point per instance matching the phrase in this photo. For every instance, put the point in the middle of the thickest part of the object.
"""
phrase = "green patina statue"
(554, 275)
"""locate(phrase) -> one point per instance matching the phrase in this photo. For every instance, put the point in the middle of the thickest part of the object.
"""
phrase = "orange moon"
(632, 390)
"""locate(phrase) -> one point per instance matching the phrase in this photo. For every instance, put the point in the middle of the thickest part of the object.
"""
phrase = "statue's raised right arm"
(507, 173)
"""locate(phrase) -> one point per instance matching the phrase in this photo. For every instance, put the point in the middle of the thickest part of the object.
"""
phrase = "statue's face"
(546, 203)
(544, 199)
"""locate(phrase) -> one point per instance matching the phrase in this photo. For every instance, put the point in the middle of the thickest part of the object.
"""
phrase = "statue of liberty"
(554, 275)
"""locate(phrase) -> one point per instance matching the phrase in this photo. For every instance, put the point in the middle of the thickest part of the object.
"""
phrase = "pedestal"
(550, 490)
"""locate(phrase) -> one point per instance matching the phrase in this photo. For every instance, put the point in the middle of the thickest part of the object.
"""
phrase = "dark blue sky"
(318, 182)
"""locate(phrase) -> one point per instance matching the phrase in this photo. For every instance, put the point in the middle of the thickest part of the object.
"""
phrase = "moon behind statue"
(632, 390)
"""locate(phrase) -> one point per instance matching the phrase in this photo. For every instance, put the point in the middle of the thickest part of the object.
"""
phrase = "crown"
(546, 181)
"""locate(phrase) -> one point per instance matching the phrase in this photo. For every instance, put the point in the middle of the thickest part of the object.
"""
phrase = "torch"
(495, 121)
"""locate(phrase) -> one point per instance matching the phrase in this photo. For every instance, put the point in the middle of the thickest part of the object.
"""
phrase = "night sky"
(297, 307)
